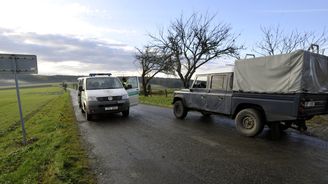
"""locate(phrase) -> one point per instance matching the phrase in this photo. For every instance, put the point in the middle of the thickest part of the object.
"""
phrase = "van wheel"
(126, 113)
(88, 116)
(179, 110)
(249, 122)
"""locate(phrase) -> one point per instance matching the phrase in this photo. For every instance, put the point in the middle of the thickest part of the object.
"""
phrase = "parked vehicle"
(102, 93)
(280, 91)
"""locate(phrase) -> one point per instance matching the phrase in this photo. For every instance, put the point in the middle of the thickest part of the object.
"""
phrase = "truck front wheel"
(179, 110)
(249, 122)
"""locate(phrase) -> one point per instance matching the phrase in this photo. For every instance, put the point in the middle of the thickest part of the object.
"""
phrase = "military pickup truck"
(281, 91)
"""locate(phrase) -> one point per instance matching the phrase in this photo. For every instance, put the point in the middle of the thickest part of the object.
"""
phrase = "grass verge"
(54, 153)
(158, 100)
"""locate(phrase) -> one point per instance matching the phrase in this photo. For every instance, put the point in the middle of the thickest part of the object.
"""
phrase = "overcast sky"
(78, 37)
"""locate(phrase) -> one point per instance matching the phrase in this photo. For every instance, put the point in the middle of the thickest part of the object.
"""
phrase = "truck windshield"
(103, 83)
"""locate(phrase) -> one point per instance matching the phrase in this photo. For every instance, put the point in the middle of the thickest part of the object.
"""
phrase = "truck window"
(200, 82)
(103, 83)
(217, 82)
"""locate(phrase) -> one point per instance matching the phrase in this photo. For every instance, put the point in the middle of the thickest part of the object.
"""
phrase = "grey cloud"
(58, 48)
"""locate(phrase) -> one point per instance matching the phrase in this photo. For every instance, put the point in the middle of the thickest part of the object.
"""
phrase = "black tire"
(88, 116)
(249, 122)
(179, 110)
(126, 113)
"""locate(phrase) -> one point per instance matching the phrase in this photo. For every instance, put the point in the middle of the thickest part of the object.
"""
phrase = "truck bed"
(282, 107)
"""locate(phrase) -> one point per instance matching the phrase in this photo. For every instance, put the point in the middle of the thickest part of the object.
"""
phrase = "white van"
(103, 93)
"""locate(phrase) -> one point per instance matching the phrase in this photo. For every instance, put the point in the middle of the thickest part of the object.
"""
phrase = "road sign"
(26, 64)
(17, 64)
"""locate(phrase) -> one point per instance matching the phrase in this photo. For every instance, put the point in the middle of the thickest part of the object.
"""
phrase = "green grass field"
(159, 100)
(53, 153)
(158, 96)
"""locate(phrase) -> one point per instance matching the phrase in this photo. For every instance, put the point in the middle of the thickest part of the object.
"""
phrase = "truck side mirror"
(81, 88)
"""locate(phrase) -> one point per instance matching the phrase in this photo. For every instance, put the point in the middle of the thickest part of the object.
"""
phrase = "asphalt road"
(151, 146)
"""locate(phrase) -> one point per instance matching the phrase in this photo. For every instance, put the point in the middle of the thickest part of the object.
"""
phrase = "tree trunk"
(144, 85)
(186, 83)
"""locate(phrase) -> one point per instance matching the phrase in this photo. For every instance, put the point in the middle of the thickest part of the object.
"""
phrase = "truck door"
(199, 91)
(133, 89)
(219, 96)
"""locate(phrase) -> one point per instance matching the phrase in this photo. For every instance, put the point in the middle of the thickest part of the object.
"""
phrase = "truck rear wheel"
(179, 110)
(249, 122)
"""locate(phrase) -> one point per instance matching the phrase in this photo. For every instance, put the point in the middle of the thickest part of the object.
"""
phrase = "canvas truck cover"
(297, 72)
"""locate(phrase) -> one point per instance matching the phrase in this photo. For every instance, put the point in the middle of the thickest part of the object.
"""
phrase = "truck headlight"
(92, 98)
(309, 104)
(125, 97)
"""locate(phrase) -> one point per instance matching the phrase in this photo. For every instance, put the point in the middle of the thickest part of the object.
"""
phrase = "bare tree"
(152, 61)
(276, 41)
(192, 42)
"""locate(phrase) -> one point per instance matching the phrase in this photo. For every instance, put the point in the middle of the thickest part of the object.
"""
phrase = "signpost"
(19, 64)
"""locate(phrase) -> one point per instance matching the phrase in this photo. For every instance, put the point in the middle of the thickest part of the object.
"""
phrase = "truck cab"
(210, 93)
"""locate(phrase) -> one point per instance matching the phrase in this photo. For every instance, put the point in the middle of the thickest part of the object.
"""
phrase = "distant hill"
(8, 80)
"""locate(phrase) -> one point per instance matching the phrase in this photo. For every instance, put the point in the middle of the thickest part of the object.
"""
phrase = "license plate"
(111, 108)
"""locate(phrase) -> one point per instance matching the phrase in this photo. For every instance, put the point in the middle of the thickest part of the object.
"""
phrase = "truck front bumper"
(96, 107)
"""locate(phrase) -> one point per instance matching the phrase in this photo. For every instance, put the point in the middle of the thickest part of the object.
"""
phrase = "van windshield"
(103, 83)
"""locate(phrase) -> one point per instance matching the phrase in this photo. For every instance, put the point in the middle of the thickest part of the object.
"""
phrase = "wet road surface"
(151, 146)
